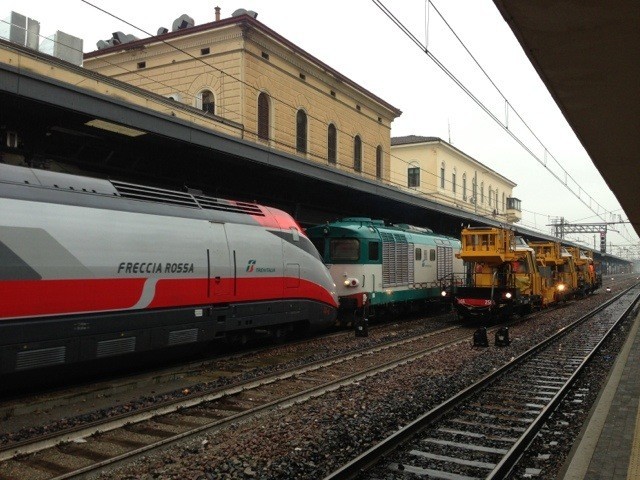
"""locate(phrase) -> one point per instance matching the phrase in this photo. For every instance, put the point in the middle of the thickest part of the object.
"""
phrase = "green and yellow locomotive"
(378, 267)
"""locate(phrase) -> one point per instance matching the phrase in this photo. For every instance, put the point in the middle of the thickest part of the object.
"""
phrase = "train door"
(220, 277)
(291, 269)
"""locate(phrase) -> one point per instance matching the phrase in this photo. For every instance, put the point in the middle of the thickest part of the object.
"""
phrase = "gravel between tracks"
(237, 369)
(312, 439)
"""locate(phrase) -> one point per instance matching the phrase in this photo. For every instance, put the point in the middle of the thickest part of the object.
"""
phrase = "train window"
(344, 249)
(432, 255)
(520, 266)
(374, 251)
(418, 254)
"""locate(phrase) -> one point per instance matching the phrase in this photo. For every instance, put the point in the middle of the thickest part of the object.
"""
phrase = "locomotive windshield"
(344, 249)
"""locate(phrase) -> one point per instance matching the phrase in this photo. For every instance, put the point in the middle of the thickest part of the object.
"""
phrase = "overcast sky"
(357, 39)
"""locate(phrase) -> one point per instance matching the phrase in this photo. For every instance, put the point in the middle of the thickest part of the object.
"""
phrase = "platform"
(609, 444)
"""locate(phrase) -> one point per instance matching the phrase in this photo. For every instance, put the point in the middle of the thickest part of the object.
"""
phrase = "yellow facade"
(66, 73)
(239, 58)
(435, 169)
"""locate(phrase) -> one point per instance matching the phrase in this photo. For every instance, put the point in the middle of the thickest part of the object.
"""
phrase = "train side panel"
(80, 282)
(378, 267)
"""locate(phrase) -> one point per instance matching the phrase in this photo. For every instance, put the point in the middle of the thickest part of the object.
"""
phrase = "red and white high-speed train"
(92, 268)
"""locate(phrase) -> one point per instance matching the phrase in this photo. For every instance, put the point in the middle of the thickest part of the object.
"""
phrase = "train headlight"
(351, 282)
(507, 295)
(443, 293)
(561, 287)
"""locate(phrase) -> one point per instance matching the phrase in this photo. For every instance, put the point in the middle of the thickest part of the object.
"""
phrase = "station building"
(431, 167)
(260, 87)
(333, 158)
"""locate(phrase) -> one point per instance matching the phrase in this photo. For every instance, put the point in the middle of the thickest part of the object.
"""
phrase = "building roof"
(244, 21)
(417, 139)
(409, 139)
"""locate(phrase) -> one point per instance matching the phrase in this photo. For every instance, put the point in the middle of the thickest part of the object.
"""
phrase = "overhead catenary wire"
(309, 152)
(508, 106)
(292, 107)
(203, 115)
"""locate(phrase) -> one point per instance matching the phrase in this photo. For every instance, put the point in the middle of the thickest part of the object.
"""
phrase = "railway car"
(378, 267)
(589, 280)
(92, 269)
(557, 265)
(503, 277)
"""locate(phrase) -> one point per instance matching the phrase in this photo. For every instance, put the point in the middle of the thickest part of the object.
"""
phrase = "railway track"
(482, 431)
(82, 452)
(91, 447)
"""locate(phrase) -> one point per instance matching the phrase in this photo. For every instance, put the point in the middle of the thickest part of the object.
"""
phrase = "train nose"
(334, 293)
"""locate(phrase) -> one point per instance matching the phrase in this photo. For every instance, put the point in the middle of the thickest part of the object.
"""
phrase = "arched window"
(490, 195)
(357, 154)
(301, 132)
(263, 116)
(464, 186)
(208, 102)
(332, 144)
(413, 175)
(475, 190)
(503, 201)
(442, 172)
(453, 181)
(378, 161)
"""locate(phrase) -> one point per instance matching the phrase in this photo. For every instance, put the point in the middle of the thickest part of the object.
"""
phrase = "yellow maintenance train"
(505, 275)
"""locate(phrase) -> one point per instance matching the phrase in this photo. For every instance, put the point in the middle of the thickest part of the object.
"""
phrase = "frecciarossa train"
(93, 269)
(379, 267)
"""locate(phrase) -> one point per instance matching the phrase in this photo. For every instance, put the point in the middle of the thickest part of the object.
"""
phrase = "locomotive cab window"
(344, 249)
(432, 255)
(374, 251)
(520, 266)
(418, 254)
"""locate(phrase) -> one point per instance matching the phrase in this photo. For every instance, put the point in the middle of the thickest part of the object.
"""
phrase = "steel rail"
(295, 398)
(174, 404)
(510, 460)
(371, 457)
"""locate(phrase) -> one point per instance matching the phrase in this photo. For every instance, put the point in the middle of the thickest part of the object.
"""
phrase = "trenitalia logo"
(251, 267)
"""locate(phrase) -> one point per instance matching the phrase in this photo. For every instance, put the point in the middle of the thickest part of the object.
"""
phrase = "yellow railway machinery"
(502, 275)
(557, 265)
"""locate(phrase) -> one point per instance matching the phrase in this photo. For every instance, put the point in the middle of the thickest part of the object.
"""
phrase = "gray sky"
(357, 39)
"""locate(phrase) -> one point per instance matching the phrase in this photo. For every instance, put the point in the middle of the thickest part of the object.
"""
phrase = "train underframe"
(30, 344)
(373, 306)
(486, 303)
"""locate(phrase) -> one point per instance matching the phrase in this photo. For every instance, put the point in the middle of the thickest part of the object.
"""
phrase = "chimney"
(217, 14)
